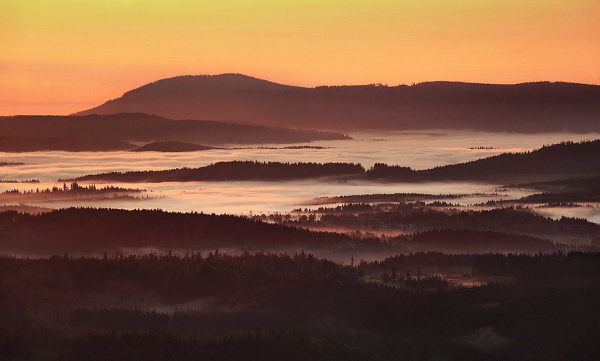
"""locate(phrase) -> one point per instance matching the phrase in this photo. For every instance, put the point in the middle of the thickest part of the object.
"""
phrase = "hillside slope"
(553, 162)
(115, 130)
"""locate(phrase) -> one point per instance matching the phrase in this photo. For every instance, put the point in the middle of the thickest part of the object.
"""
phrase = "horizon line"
(278, 82)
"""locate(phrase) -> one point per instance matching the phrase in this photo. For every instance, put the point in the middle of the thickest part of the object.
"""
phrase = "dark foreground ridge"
(98, 230)
(278, 307)
(528, 107)
(89, 230)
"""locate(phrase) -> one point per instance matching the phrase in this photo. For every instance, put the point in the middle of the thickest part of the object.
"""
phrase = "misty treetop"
(234, 170)
(91, 230)
(549, 163)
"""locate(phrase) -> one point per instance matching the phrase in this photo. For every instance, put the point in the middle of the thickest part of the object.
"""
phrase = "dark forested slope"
(171, 146)
(96, 230)
(270, 307)
(235, 170)
(93, 230)
(561, 160)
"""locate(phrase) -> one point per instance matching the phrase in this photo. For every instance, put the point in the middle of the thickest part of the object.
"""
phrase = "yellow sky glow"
(62, 56)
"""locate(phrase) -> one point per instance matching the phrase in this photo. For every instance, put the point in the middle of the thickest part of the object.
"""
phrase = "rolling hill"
(553, 162)
(526, 107)
(118, 131)
(172, 146)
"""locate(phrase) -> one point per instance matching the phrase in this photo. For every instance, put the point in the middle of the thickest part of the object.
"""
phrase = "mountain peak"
(186, 84)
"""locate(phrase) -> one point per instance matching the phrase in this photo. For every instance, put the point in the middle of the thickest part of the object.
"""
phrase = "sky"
(63, 56)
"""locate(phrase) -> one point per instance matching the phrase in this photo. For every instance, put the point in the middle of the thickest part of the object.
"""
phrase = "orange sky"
(61, 56)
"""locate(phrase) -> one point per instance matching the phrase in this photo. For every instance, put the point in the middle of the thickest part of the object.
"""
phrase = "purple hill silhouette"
(526, 107)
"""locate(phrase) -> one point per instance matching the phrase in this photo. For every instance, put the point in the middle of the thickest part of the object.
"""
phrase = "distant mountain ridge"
(224, 82)
(525, 107)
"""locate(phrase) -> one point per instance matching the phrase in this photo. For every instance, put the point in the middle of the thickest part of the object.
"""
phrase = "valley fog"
(419, 150)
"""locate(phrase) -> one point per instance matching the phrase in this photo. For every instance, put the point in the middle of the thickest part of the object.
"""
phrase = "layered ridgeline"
(118, 131)
(527, 107)
(560, 191)
(85, 230)
(419, 217)
(97, 230)
(553, 162)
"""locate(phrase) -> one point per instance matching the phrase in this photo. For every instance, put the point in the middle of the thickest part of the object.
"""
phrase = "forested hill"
(171, 146)
(85, 230)
(558, 161)
(235, 170)
(296, 308)
(115, 131)
(97, 230)
(527, 107)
